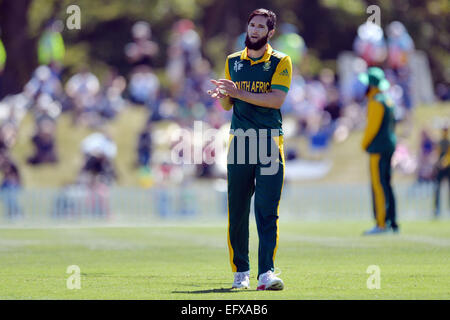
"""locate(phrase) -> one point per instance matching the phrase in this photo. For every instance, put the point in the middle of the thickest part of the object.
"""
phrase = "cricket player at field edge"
(379, 141)
(256, 83)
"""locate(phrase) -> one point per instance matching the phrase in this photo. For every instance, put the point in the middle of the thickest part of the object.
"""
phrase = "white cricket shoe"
(270, 281)
(241, 280)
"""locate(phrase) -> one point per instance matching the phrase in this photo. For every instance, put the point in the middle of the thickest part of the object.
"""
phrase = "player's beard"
(258, 44)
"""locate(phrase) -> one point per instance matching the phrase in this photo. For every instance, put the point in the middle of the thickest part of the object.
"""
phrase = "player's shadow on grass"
(221, 290)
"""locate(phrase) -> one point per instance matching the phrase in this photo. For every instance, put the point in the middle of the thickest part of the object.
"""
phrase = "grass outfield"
(319, 260)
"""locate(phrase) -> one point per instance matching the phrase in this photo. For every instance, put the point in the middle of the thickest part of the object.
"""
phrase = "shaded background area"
(328, 27)
(84, 113)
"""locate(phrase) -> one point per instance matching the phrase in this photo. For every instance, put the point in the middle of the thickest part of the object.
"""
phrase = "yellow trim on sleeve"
(283, 73)
(227, 70)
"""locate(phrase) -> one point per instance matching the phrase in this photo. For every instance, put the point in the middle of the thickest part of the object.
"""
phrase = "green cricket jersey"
(379, 135)
(272, 71)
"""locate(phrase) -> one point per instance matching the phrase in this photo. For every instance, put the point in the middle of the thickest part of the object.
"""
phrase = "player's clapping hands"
(224, 88)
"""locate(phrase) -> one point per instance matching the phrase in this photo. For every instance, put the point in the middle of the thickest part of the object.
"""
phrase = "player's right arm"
(225, 101)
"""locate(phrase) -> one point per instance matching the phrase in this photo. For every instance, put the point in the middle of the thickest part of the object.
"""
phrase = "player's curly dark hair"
(270, 15)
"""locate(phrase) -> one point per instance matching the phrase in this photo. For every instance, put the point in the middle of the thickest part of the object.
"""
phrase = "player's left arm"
(375, 113)
(280, 84)
(272, 100)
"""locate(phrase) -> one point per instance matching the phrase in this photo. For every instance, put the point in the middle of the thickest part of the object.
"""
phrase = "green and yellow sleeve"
(375, 113)
(225, 106)
(282, 76)
(227, 70)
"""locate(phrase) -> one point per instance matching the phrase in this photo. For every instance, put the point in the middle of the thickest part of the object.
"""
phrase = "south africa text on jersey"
(254, 86)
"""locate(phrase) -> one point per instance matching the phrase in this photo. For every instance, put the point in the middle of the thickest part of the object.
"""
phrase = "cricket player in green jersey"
(379, 141)
(256, 82)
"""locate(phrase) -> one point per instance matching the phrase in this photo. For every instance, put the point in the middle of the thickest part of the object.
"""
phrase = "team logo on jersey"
(285, 72)
(266, 66)
(237, 66)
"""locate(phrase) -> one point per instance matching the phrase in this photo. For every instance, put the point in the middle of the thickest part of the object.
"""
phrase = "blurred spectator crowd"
(317, 108)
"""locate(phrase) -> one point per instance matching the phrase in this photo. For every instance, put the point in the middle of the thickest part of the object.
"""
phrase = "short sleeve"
(282, 76)
(227, 71)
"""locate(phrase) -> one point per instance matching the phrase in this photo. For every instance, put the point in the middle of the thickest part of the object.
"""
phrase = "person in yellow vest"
(2, 60)
(51, 47)
(442, 169)
(2, 56)
(379, 141)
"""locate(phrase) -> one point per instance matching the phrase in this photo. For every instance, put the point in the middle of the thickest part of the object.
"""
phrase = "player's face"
(257, 28)
(257, 33)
